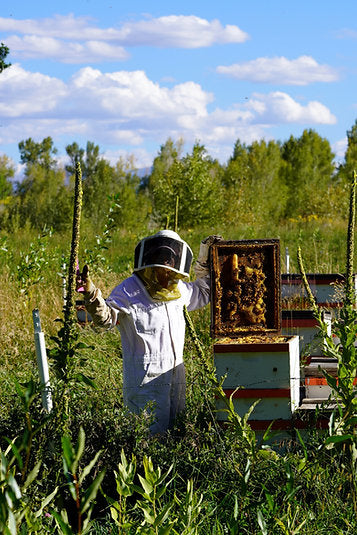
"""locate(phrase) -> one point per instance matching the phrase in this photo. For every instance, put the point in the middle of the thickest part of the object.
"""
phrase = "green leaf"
(261, 522)
(89, 467)
(80, 377)
(114, 514)
(79, 450)
(68, 452)
(32, 475)
(163, 514)
(12, 524)
(331, 381)
(148, 488)
(91, 492)
(148, 512)
(82, 345)
(45, 502)
(14, 486)
(351, 422)
(15, 451)
(64, 526)
(336, 439)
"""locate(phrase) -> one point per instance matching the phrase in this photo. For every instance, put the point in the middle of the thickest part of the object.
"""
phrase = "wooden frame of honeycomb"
(245, 288)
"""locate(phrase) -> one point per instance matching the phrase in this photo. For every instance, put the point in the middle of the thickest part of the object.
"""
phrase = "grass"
(298, 489)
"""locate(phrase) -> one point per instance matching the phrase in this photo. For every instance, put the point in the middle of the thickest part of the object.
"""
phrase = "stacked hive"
(258, 362)
(298, 319)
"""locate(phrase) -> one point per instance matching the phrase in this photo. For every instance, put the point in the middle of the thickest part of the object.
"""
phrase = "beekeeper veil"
(165, 249)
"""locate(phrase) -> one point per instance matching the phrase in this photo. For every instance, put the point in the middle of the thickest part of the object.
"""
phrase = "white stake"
(42, 361)
(287, 258)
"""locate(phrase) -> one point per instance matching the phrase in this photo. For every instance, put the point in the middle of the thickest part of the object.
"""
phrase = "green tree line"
(266, 180)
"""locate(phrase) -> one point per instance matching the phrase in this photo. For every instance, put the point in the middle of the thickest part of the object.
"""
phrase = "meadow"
(90, 466)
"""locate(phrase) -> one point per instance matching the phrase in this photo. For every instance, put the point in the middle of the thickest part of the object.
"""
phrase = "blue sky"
(129, 75)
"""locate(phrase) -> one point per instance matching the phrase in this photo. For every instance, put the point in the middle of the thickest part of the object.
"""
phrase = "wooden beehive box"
(245, 288)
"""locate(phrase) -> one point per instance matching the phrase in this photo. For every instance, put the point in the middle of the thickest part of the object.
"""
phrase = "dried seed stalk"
(350, 293)
(71, 281)
(310, 297)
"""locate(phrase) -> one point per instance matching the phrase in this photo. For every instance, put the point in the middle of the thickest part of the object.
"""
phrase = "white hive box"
(266, 371)
(304, 324)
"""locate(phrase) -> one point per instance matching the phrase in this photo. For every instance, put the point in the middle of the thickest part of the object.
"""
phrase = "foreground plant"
(15, 506)
(154, 485)
(68, 345)
(343, 420)
(31, 267)
(84, 499)
(20, 507)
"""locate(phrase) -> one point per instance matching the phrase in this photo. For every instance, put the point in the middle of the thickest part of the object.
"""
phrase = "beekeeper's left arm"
(102, 314)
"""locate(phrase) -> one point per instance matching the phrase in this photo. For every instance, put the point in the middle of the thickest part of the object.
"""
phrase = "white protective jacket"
(152, 335)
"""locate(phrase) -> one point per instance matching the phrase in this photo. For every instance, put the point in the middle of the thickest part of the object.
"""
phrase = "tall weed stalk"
(65, 354)
(343, 420)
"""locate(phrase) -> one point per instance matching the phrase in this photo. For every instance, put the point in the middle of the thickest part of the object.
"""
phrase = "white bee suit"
(153, 335)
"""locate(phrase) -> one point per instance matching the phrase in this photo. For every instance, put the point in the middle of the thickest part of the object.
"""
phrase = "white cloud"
(73, 39)
(130, 95)
(34, 46)
(280, 70)
(127, 109)
(58, 26)
(25, 93)
(180, 31)
(279, 107)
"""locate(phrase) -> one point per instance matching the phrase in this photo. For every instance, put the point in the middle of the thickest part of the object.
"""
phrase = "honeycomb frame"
(245, 288)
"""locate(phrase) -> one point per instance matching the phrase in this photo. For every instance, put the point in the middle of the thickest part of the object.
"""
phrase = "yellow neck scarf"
(156, 291)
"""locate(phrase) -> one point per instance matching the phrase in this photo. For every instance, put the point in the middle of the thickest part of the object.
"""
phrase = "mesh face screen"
(163, 251)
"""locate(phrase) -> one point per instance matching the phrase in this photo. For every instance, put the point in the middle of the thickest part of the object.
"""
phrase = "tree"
(237, 166)
(135, 205)
(32, 153)
(88, 158)
(42, 199)
(7, 171)
(308, 173)
(345, 171)
(76, 156)
(254, 191)
(4, 51)
(194, 180)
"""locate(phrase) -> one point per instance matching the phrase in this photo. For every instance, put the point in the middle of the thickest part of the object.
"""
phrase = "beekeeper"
(148, 309)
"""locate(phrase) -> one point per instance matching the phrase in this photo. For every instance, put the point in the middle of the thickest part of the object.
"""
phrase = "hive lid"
(245, 288)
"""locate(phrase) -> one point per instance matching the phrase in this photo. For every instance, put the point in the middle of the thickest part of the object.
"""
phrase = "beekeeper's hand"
(84, 282)
(201, 268)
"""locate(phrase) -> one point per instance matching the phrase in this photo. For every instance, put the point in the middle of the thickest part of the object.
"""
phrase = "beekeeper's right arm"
(200, 288)
(102, 314)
